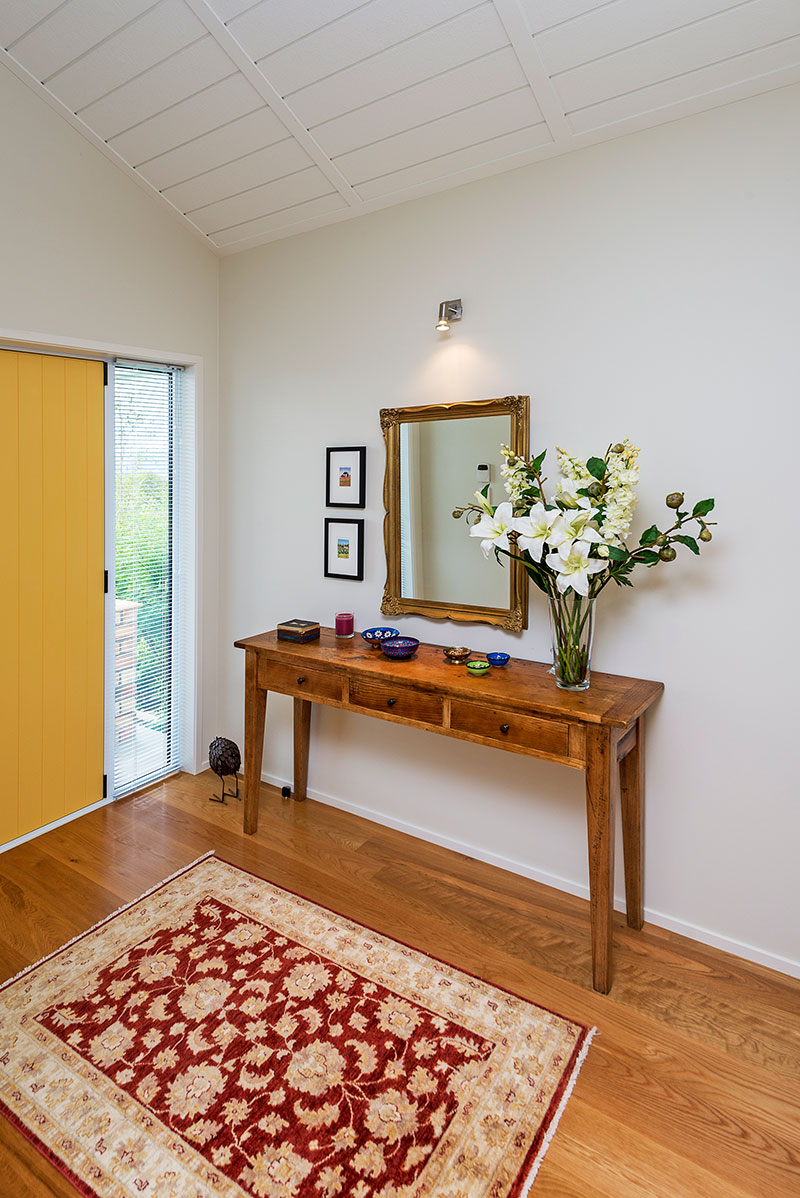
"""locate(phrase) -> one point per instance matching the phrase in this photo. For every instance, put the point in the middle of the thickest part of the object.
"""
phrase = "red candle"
(344, 623)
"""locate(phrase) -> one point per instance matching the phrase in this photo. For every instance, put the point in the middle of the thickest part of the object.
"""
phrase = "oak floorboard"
(632, 1164)
(691, 1089)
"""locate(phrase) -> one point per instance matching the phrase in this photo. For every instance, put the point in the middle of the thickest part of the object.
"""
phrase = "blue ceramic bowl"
(400, 647)
(498, 659)
(478, 667)
(374, 636)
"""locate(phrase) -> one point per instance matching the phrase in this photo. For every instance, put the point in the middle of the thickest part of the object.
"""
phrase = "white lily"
(494, 529)
(483, 502)
(574, 570)
(575, 525)
(567, 496)
(534, 529)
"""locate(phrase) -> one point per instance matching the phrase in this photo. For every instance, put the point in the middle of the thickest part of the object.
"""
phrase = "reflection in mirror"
(435, 457)
(439, 462)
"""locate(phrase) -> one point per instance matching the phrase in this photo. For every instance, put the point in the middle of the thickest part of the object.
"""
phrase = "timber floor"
(691, 1090)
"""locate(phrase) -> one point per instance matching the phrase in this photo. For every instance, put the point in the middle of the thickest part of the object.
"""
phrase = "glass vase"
(571, 629)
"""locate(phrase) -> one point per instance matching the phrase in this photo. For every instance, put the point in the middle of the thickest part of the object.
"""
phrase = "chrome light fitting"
(448, 310)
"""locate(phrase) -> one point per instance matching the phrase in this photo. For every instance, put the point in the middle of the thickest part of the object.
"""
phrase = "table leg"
(302, 737)
(631, 771)
(255, 711)
(602, 791)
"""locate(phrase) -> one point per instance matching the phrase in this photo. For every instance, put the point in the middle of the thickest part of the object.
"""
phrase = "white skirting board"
(736, 947)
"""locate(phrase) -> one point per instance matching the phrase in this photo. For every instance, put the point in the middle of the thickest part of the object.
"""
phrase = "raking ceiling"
(257, 120)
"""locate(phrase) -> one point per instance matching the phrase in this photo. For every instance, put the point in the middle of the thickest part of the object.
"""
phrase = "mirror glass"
(442, 464)
(437, 457)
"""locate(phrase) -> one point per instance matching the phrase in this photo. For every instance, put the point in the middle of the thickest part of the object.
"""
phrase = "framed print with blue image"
(344, 549)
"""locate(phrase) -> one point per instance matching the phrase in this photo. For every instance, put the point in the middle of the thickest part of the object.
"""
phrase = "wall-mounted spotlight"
(448, 310)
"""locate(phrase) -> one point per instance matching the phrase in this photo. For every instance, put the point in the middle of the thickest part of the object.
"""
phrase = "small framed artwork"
(346, 482)
(344, 549)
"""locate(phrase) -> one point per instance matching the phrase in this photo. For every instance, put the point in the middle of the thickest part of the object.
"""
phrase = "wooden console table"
(518, 708)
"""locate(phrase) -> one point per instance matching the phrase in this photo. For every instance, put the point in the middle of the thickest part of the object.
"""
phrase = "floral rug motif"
(221, 1036)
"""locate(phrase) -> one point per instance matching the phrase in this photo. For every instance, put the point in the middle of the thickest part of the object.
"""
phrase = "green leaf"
(647, 557)
(703, 507)
(597, 468)
(690, 542)
(536, 464)
(649, 535)
(621, 580)
(616, 554)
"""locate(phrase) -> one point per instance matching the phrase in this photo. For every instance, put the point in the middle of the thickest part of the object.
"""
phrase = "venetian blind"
(154, 490)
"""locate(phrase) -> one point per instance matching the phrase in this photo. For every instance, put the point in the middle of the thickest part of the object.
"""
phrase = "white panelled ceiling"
(257, 119)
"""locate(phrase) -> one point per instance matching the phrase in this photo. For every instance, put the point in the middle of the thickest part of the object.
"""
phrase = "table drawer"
(404, 704)
(297, 680)
(549, 737)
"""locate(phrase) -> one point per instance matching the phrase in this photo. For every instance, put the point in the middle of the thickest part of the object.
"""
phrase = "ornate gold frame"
(514, 617)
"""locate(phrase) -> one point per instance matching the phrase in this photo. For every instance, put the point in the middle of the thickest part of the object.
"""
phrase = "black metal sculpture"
(224, 758)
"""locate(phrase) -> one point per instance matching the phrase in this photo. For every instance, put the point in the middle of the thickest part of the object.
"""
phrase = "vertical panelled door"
(52, 594)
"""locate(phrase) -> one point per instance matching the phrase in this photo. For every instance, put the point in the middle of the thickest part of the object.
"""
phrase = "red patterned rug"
(221, 1036)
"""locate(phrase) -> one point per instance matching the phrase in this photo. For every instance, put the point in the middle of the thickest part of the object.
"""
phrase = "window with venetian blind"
(154, 572)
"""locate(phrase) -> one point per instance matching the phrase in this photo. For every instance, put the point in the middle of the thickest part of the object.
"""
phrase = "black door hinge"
(105, 786)
(105, 582)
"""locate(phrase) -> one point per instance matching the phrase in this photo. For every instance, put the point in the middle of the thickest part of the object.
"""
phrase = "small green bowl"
(478, 668)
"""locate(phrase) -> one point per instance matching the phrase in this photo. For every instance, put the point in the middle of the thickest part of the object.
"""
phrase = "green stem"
(570, 614)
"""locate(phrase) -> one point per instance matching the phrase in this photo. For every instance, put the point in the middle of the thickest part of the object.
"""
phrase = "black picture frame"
(346, 476)
(344, 548)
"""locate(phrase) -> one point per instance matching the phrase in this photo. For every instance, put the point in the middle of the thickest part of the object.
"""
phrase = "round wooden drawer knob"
(504, 727)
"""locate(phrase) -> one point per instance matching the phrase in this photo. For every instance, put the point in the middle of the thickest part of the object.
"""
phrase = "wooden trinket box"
(298, 630)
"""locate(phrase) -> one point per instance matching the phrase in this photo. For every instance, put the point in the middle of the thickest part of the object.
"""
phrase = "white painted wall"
(88, 260)
(646, 287)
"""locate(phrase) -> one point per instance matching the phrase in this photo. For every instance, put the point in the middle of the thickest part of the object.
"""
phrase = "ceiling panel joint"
(521, 38)
(272, 97)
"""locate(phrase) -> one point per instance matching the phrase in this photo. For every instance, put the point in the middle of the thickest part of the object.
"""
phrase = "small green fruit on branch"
(656, 546)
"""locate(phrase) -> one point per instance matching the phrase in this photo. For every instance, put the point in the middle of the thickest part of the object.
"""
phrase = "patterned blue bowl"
(400, 647)
(374, 636)
(498, 659)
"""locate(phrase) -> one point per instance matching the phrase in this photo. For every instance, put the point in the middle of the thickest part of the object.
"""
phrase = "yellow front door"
(52, 588)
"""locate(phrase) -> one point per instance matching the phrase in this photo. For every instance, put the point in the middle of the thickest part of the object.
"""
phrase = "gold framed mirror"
(437, 456)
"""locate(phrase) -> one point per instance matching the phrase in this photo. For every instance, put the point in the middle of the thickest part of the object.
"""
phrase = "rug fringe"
(110, 916)
(551, 1131)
